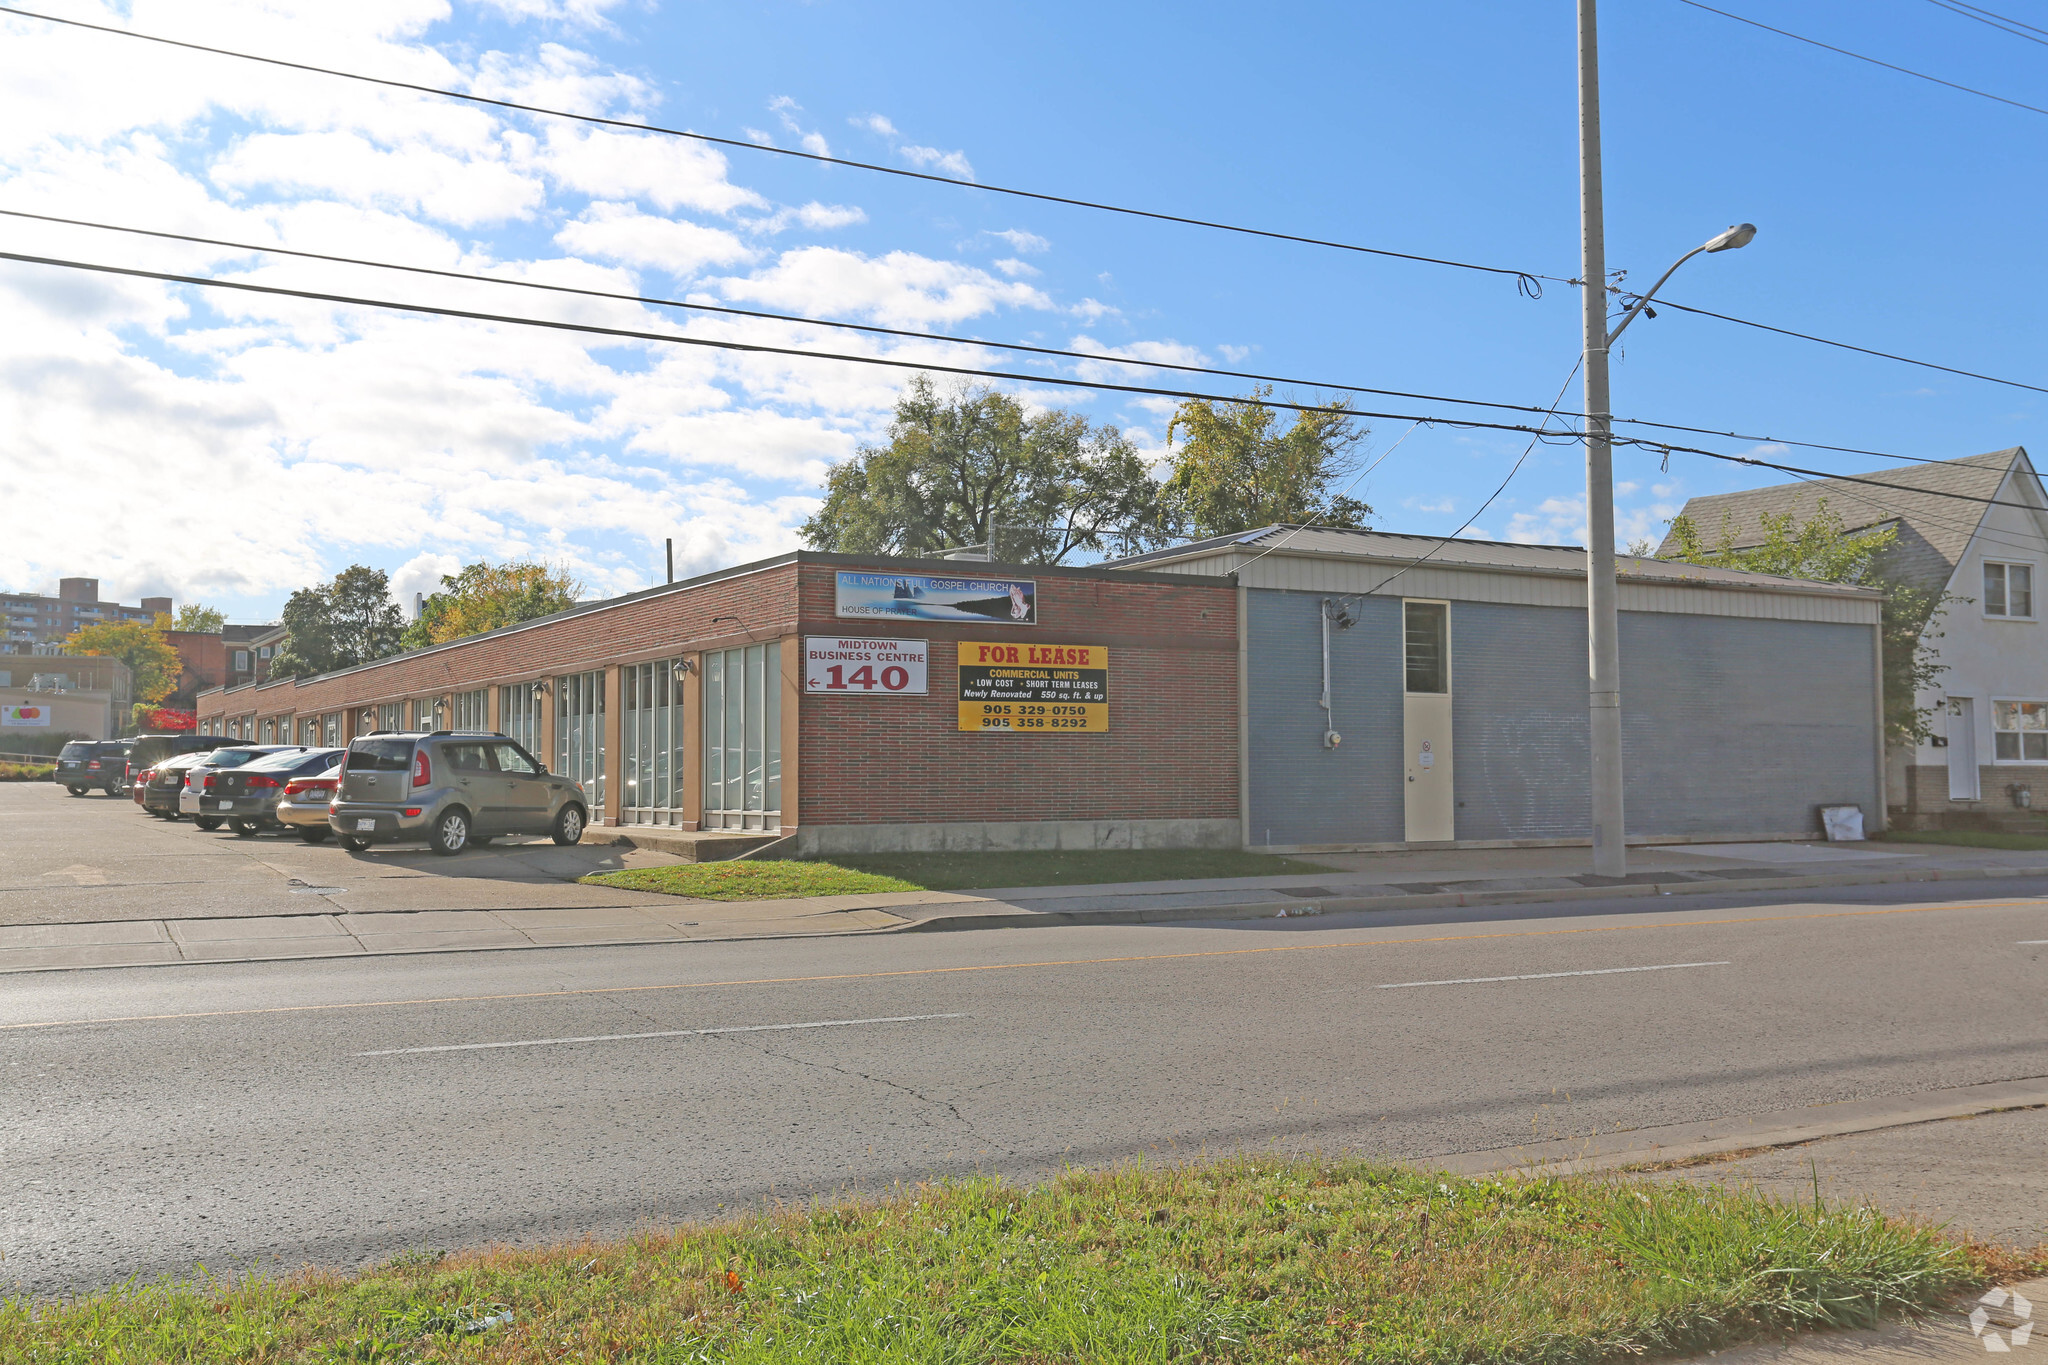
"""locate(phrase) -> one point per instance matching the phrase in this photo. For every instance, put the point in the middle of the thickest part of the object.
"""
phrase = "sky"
(230, 448)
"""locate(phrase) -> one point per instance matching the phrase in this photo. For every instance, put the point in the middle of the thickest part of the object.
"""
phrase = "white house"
(1976, 530)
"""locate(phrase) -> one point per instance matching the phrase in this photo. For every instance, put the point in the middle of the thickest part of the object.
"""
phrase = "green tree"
(347, 621)
(193, 616)
(153, 666)
(1236, 470)
(1825, 550)
(968, 466)
(486, 596)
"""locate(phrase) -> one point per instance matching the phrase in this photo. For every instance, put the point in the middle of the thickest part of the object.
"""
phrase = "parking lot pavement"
(78, 860)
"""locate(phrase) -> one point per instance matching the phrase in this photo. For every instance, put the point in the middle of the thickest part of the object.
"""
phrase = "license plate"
(227, 805)
(366, 824)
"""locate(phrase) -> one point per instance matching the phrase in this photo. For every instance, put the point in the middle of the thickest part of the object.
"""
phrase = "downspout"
(1331, 739)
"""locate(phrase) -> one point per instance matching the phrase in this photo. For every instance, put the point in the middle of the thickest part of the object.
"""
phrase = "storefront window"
(519, 712)
(743, 738)
(651, 730)
(579, 732)
(470, 710)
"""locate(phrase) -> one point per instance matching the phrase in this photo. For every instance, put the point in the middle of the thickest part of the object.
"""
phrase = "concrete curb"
(1717, 1137)
(1028, 919)
(1436, 900)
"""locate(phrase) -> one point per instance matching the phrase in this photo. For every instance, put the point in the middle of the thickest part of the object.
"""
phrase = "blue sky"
(235, 450)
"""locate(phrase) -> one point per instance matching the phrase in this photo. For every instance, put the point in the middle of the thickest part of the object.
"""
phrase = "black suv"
(88, 763)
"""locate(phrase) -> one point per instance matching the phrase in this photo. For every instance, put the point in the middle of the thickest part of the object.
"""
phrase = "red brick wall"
(1171, 748)
(654, 626)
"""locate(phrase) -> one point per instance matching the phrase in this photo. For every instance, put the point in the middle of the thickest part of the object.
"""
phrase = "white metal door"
(1427, 799)
(1962, 750)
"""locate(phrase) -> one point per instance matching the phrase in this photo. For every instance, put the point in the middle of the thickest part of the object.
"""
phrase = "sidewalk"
(483, 913)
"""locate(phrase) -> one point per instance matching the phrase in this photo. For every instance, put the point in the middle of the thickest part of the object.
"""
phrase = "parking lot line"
(664, 1033)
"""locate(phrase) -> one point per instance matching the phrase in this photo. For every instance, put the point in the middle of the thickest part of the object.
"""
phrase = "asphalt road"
(268, 1115)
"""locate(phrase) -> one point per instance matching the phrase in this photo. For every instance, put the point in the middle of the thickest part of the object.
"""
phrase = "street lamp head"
(1738, 235)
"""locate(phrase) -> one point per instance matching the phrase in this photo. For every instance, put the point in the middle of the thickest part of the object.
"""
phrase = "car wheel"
(451, 832)
(353, 844)
(208, 821)
(315, 834)
(568, 825)
(113, 791)
(245, 828)
(76, 791)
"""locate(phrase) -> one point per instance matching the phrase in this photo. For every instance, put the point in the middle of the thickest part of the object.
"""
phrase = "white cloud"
(1029, 243)
(1442, 505)
(1556, 521)
(1124, 363)
(1015, 268)
(581, 13)
(901, 289)
(875, 123)
(466, 190)
(620, 232)
(785, 110)
(561, 78)
(814, 215)
(933, 159)
(670, 173)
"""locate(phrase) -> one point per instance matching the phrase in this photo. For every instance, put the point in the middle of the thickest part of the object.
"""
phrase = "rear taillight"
(94, 764)
(259, 781)
(185, 781)
(207, 783)
(422, 771)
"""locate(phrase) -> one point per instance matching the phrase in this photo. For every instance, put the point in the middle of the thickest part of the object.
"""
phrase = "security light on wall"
(684, 667)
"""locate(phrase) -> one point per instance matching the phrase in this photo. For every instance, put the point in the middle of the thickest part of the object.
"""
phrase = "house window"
(2019, 731)
(2009, 590)
(241, 661)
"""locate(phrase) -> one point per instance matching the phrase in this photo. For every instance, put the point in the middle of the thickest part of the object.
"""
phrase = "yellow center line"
(1027, 966)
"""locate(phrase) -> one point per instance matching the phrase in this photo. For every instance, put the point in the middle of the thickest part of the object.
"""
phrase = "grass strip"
(1093, 867)
(1968, 838)
(26, 772)
(1248, 1260)
(749, 881)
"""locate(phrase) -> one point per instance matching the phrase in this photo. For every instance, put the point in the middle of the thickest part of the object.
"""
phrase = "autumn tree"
(1236, 468)
(347, 621)
(487, 596)
(153, 666)
(193, 616)
(970, 467)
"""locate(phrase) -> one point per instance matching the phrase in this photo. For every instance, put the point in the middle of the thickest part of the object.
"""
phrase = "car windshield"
(317, 765)
(380, 755)
(232, 758)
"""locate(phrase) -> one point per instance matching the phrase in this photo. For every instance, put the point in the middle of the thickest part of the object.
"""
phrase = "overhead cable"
(1889, 66)
(1530, 282)
(913, 335)
(1846, 346)
(1997, 21)
(1100, 386)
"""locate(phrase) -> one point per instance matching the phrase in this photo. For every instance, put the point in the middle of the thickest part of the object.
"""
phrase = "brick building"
(700, 705)
(29, 619)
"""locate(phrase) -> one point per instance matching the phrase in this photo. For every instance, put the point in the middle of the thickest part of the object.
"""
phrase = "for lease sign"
(858, 664)
(1033, 688)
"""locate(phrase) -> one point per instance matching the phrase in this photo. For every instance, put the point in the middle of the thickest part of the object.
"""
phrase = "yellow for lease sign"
(1033, 688)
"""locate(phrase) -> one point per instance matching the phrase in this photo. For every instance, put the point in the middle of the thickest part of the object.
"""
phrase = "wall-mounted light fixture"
(684, 667)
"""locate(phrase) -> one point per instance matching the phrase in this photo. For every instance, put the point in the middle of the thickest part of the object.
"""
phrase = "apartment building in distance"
(39, 623)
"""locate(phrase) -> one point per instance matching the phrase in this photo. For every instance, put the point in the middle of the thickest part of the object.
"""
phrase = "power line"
(1997, 21)
(870, 328)
(909, 334)
(1902, 70)
(633, 334)
(670, 338)
(1846, 346)
(1529, 282)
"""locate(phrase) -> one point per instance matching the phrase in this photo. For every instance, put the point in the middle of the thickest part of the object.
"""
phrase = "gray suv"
(452, 789)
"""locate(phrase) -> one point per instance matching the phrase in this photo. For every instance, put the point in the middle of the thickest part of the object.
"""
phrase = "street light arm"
(1644, 301)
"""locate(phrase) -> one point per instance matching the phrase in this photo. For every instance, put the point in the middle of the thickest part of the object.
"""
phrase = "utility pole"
(671, 544)
(1603, 646)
